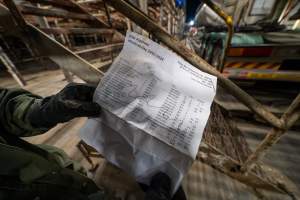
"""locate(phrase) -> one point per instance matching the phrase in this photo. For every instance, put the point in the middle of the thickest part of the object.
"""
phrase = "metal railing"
(280, 125)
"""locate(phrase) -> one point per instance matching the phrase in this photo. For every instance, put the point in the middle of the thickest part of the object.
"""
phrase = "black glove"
(75, 100)
(160, 188)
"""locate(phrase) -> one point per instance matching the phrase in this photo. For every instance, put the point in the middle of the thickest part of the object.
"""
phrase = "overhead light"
(191, 23)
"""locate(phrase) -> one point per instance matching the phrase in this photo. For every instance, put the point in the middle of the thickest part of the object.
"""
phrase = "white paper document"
(155, 108)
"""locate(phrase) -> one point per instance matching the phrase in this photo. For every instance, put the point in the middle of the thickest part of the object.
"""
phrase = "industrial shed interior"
(251, 142)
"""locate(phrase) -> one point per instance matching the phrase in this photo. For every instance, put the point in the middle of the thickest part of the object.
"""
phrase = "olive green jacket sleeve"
(14, 105)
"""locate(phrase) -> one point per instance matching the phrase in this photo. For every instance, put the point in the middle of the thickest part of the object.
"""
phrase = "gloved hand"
(75, 100)
(160, 188)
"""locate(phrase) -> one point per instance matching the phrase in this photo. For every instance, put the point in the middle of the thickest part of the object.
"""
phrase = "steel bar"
(229, 22)
(291, 115)
(148, 24)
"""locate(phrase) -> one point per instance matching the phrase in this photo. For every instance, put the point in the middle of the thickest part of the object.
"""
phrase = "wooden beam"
(20, 21)
(88, 1)
(16, 13)
(100, 31)
(96, 21)
(57, 3)
(100, 53)
(107, 14)
(11, 68)
(54, 13)
(172, 7)
(117, 22)
(109, 47)
(49, 47)
(169, 8)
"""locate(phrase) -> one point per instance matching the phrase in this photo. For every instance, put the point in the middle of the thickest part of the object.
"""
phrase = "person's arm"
(25, 114)
(14, 105)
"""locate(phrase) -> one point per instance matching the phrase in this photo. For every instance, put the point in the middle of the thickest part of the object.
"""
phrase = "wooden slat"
(97, 22)
(110, 47)
(54, 13)
(102, 31)
(57, 3)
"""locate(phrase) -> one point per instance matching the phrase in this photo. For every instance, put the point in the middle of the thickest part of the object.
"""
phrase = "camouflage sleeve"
(14, 104)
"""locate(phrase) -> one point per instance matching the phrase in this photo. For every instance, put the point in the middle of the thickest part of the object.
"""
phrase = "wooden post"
(173, 25)
(161, 15)
(11, 68)
(129, 25)
(144, 7)
(107, 14)
(176, 27)
(67, 74)
(62, 37)
(22, 23)
(169, 23)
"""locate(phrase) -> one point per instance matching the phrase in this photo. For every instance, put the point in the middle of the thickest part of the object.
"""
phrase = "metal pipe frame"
(291, 115)
(229, 22)
(280, 125)
(149, 25)
(211, 156)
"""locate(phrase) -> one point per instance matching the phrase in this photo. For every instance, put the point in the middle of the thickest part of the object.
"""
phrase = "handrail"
(229, 22)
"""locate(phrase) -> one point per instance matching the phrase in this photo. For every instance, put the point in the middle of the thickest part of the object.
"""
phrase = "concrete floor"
(202, 182)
